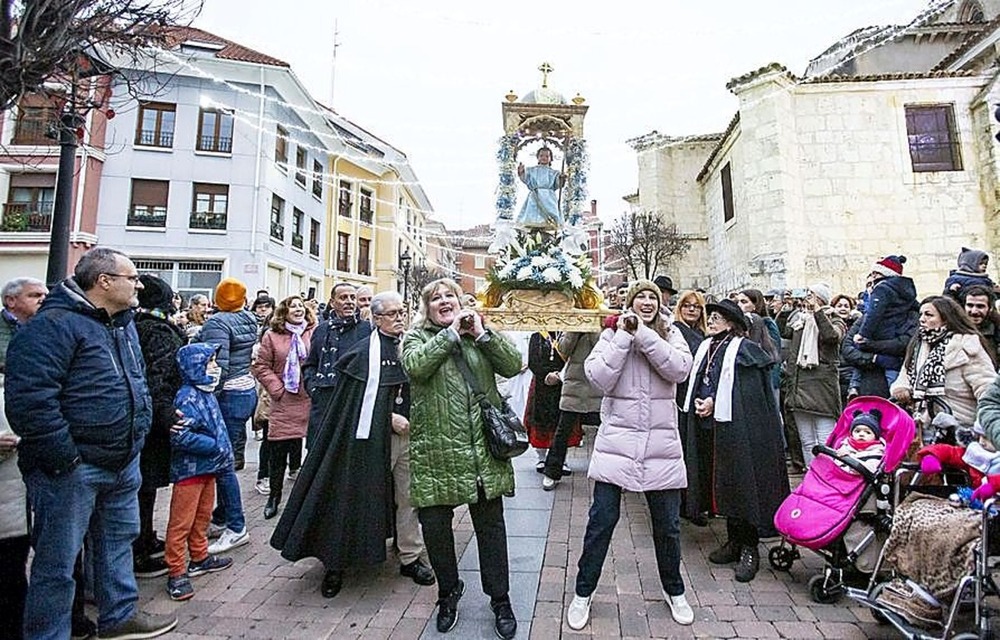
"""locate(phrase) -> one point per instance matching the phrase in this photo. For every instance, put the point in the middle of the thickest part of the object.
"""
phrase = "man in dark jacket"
(978, 302)
(329, 341)
(159, 339)
(77, 397)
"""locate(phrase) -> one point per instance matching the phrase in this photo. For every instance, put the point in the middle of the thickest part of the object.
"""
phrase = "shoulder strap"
(470, 378)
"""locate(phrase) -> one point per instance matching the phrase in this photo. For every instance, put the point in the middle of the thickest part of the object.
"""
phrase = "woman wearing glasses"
(734, 454)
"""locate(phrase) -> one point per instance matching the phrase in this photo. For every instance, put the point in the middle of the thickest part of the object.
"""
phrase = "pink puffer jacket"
(289, 415)
(638, 447)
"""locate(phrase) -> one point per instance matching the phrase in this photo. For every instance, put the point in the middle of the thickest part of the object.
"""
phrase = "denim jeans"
(88, 499)
(664, 512)
(236, 408)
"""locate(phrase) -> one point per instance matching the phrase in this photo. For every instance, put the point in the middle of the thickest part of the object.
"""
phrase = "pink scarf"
(292, 375)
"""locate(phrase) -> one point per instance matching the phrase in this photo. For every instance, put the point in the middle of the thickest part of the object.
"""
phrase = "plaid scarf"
(929, 380)
(292, 375)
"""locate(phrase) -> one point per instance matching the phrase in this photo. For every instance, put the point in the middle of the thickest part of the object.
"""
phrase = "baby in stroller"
(841, 508)
(865, 443)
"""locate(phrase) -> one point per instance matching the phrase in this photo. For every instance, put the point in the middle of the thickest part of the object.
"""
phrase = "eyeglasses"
(690, 306)
(714, 317)
(392, 315)
(133, 279)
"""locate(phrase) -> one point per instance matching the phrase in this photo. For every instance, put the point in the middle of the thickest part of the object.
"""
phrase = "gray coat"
(578, 395)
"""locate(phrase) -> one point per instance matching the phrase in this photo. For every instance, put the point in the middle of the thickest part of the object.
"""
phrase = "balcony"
(366, 215)
(344, 208)
(208, 220)
(297, 240)
(163, 139)
(31, 217)
(215, 144)
(36, 131)
(314, 247)
(278, 231)
(147, 216)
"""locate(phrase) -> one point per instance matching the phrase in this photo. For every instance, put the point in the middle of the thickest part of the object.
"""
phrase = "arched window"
(971, 11)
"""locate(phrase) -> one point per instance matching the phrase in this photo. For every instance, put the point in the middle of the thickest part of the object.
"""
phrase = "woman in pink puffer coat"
(637, 364)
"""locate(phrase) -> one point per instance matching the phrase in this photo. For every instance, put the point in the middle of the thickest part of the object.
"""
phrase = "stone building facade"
(874, 150)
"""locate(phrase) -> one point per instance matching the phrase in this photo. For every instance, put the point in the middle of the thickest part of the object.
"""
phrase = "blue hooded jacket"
(891, 311)
(202, 447)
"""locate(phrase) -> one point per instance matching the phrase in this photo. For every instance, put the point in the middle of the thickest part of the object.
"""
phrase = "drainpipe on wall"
(333, 223)
(256, 174)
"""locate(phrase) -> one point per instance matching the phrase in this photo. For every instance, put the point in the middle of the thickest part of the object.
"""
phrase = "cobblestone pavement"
(263, 596)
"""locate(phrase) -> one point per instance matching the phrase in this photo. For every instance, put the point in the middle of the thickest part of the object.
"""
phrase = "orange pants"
(190, 512)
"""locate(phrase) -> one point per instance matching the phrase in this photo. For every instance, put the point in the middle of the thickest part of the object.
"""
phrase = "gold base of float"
(534, 310)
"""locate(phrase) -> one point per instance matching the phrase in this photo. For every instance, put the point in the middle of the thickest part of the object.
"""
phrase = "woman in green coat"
(449, 462)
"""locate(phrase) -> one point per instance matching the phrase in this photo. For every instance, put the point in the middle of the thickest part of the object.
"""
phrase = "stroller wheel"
(782, 557)
(820, 594)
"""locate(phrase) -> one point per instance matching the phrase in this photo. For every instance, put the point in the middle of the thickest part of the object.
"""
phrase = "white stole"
(371, 386)
(724, 393)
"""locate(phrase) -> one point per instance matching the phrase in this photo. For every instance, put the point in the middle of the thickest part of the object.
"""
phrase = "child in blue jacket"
(200, 449)
(972, 265)
(891, 312)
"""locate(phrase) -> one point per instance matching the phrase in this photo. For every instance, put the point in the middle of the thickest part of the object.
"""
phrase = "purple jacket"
(638, 447)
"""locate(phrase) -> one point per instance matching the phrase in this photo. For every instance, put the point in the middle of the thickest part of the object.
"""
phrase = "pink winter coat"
(638, 447)
(289, 411)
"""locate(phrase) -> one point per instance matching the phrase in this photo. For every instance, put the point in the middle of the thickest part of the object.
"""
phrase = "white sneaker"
(578, 614)
(548, 483)
(229, 540)
(263, 486)
(679, 608)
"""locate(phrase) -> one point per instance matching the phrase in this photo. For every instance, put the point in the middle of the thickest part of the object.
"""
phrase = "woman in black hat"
(734, 453)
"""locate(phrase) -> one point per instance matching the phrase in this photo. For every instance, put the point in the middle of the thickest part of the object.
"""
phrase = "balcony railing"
(29, 217)
(317, 186)
(344, 208)
(35, 131)
(278, 231)
(155, 139)
(147, 216)
(297, 240)
(365, 215)
(215, 144)
(211, 220)
(314, 248)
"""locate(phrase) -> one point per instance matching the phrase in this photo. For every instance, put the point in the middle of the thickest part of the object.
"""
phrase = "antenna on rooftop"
(333, 67)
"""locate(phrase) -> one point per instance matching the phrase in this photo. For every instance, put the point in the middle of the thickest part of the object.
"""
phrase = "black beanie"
(155, 294)
(872, 420)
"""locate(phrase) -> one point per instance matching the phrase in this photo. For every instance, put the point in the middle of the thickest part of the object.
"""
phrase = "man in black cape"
(340, 509)
(733, 448)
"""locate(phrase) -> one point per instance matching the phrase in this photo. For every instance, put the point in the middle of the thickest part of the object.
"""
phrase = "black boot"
(748, 565)
(332, 582)
(271, 508)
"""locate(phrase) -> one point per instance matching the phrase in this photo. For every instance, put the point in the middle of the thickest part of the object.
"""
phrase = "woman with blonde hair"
(197, 314)
(278, 368)
(450, 464)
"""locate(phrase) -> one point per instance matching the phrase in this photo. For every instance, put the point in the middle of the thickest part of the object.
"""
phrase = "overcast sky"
(429, 77)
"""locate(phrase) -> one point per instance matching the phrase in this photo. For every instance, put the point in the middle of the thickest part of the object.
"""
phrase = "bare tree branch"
(646, 244)
(45, 39)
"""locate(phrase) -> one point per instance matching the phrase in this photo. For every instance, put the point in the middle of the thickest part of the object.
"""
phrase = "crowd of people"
(115, 388)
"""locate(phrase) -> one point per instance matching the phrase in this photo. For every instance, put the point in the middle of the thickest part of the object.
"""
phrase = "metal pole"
(62, 207)
(406, 284)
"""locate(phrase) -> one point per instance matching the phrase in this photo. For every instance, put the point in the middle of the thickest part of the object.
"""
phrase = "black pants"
(491, 539)
(742, 532)
(556, 457)
(14, 581)
(282, 452)
(143, 545)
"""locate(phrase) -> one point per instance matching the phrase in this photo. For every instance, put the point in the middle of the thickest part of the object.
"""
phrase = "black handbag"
(506, 437)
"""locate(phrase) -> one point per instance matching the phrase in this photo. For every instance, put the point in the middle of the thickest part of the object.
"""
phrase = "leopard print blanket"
(932, 543)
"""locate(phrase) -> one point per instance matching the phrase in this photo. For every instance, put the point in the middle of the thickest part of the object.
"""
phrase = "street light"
(405, 262)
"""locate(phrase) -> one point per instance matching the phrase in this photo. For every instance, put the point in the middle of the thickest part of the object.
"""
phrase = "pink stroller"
(842, 515)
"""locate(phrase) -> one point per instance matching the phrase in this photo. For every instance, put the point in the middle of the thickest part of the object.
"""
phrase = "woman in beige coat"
(944, 360)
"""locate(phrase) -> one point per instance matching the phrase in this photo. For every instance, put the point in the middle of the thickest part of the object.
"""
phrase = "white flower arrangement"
(534, 261)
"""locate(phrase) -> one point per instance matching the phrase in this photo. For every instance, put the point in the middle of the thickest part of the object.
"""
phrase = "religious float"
(543, 277)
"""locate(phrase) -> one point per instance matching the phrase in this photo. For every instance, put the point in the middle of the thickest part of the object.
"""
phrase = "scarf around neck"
(292, 375)
(808, 357)
(929, 380)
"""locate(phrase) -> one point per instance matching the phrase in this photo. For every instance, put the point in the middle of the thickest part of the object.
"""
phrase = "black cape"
(739, 470)
(341, 506)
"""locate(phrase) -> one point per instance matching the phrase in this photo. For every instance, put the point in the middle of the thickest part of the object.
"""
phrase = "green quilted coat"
(448, 456)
